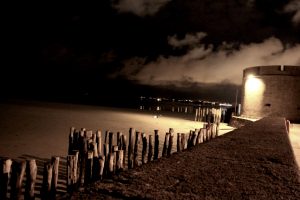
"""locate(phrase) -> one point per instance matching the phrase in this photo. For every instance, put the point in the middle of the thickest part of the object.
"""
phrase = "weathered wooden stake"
(183, 141)
(18, 172)
(204, 134)
(166, 143)
(195, 133)
(96, 168)
(110, 142)
(5, 177)
(76, 164)
(150, 150)
(106, 154)
(119, 140)
(31, 172)
(89, 134)
(88, 167)
(115, 150)
(111, 164)
(71, 140)
(288, 125)
(144, 150)
(47, 179)
(102, 164)
(120, 158)
(156, 145)
(170, 145)
(94, 149)
(218, 128)
(55, 164)
(189, 139)
(136, 149)
(94, 137)
(178, 142)
(76, 136)
(83, 148)
(106, 137)
(70, 173)
(99, 142)
(131, 148)
(124, 143)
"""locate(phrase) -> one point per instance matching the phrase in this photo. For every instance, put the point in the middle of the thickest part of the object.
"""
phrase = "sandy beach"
(41, 129)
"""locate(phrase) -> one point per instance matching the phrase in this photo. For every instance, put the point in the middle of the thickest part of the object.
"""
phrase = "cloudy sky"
(190, 48)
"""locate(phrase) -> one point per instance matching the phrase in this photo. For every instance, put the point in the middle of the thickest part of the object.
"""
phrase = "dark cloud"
(80, 47)
(189, 40)
(294, 8)
(204, 65)
(139, 7)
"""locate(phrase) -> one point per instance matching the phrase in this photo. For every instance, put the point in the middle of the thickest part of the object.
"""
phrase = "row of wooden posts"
(89, 159)
(206, 114)
(14, 172)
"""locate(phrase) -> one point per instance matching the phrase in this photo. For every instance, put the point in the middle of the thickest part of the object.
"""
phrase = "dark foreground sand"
(254, 162)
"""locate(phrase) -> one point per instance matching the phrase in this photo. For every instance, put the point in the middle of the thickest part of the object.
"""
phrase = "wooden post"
(136, 149)
(178, 142)
(144, 150)
(99, 142)
(31, 172)
(124, 143)
(130, 148)
(110, 142)
(111, 164)
(195, 133)
(18, 172)
(150, 150)
(166, 143)
(204, 131)
(119, 140)
(115, 150)
(76, 164)
(5, 177)
(47, 179)
(183, 142)
(210, 131)
(120, 159)
(82, 144)
(71, 140)
(94, 137)
(106, 137)
(89, 134)
(189, 139)
(198, 140)
(70, 173)
(170, 145)
(96, 166)
(214, 127)
(82, 157)
(101, 164)
(88, 167)
(287, 124)
(156, 145)
(55, 164)
(76, 136)
(218, 128)
(106, 154)
(94, 149)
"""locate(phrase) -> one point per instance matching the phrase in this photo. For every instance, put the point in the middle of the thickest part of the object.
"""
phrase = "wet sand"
(41, 129)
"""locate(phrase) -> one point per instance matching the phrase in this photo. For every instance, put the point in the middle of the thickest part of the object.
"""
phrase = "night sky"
(120, 49)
